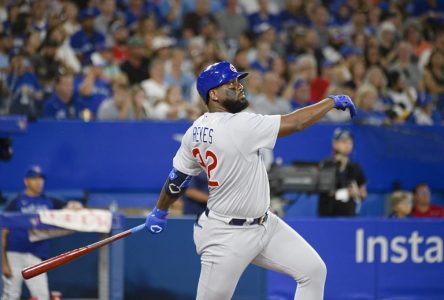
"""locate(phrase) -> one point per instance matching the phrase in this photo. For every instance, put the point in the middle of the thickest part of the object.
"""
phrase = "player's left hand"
(343, 102)
(156, 221)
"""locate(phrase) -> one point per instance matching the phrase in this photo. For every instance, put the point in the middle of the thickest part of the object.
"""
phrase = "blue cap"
(34, 171)
(216, 75)
(89, 12)
(348, 50)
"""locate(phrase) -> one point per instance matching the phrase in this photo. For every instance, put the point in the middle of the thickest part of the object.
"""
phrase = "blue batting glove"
(156, 221)
(343, 102)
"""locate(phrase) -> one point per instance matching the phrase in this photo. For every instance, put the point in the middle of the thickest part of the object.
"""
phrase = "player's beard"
(234, 106)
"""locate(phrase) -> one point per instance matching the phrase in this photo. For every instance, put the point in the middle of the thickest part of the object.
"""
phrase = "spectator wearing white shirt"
(269, 102)
(119, 106)
(155, 87)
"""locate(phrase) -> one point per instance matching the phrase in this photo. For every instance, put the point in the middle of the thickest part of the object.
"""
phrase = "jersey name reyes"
(202, 134)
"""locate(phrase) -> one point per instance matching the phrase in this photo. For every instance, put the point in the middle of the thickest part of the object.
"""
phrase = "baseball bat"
(64, 258)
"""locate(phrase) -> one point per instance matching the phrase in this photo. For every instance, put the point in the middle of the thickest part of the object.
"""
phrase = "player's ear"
(213, 95)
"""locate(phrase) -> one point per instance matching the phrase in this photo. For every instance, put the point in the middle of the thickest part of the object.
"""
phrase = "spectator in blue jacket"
(87, 39)
(93, 87)
(65, 102)
(24, 87)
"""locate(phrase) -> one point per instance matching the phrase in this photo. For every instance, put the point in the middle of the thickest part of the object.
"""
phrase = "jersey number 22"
(209, 164)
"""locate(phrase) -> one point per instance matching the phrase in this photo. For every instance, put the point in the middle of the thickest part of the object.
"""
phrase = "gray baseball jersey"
(226, 146)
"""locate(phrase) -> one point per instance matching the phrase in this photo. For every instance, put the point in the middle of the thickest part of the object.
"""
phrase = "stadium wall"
(121, 156)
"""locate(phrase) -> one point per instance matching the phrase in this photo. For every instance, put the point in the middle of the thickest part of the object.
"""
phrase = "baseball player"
(18, 251)
(236, 228)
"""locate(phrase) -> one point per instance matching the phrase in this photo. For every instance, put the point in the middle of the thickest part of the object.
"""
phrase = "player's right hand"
(343, 102)
(156, 221)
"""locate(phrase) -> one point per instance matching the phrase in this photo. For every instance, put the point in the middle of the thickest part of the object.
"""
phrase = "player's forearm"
(304, 117)
(165, 200)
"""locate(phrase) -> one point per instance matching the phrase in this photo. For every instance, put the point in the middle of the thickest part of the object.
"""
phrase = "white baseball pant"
(12, 287)
(226, 250)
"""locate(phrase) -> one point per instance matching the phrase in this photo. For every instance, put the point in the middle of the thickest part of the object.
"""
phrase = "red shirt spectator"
(434, 211)
(423, 208)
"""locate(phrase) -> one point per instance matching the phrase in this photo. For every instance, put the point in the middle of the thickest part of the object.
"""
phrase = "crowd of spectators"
(138, 59)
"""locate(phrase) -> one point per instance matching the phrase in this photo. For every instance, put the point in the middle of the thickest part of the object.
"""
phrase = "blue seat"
(373, 205)
(438, 198)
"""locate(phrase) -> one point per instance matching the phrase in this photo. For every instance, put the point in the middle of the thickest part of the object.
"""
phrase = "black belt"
(240, 222)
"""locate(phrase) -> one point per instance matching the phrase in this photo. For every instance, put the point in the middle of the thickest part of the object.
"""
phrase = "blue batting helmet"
(216, 75)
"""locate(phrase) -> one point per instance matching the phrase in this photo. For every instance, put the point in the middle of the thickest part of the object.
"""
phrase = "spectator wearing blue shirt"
(293, 15)
(18, 251)
(421, 7)
(87, 40)
(264, 58)
(342, 15)
(171, 13)
(93, 89)
(64, 103)
(300, 94)
(263, 16)
(370, 108)
(138, 8)
(424, 113)
(24, 87)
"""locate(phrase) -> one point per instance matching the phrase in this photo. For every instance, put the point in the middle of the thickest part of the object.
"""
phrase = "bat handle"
(137, 228)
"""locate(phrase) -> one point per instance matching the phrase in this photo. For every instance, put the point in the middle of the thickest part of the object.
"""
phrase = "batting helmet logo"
(216, 75)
